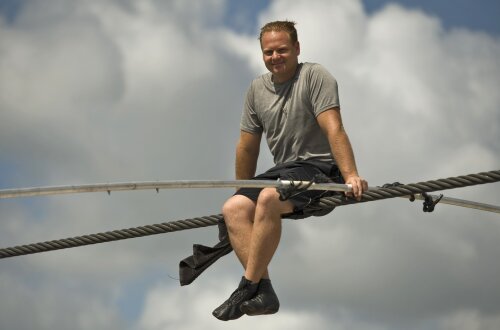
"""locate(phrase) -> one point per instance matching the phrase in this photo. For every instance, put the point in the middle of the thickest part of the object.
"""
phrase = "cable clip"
(295, 188)
(430, 203)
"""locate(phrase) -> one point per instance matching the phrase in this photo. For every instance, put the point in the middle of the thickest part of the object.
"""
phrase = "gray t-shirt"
(287, 112)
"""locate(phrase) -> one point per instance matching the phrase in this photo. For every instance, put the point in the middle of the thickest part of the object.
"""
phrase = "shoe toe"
(230, 309)
(218, 313)
(227, 313)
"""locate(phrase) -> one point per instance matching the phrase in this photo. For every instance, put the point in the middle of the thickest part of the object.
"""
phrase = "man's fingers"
(359, 186)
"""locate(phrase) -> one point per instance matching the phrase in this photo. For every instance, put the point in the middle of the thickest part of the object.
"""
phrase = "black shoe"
(230, 309)
(265, 302)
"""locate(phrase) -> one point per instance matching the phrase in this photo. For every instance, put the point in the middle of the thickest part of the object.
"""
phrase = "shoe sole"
(252, 312)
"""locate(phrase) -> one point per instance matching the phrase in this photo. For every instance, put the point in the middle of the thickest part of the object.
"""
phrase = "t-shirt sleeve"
(323, 89)
(250, 121)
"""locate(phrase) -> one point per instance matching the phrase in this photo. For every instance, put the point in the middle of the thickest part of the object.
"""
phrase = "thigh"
(296, 171)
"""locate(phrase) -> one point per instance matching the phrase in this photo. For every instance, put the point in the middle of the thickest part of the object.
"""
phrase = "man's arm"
(247, 153)
(330, 122)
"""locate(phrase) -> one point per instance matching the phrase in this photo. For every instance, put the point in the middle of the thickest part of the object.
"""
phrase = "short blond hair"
(277, 26)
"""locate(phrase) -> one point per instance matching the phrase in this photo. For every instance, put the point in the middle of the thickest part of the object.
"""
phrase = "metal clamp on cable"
(429, 203)
(292, 189)
(295, 188)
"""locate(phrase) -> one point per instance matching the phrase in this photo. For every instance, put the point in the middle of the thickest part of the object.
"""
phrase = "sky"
(119, 90)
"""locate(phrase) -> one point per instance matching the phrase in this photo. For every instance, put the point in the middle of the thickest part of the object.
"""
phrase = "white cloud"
(30, 302)
(146, 90)
(189, 308)
(470, 320)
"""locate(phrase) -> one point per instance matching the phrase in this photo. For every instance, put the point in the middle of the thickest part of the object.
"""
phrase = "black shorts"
(305, 202)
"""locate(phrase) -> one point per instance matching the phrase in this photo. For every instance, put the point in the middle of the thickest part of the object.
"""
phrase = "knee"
(269, 203)
(237, 208)
(268, 199)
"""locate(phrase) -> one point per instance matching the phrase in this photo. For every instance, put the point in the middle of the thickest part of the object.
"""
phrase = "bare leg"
(254, 231)
(265, 234)
(238, 214)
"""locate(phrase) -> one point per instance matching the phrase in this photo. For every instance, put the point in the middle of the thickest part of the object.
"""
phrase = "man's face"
(280, 55)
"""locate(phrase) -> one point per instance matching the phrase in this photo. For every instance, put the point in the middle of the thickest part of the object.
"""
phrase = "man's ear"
(297, 47)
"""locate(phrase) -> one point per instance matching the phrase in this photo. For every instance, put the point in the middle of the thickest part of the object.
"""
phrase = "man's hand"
(359, 186)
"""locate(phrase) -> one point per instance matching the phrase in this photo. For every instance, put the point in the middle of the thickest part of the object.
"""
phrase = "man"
(296, 106)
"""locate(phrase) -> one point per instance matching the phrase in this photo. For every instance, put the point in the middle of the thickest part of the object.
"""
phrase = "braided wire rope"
(414, 188)
(205, 221)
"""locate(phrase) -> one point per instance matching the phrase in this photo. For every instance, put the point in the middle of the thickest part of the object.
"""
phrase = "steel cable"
(205, 221)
